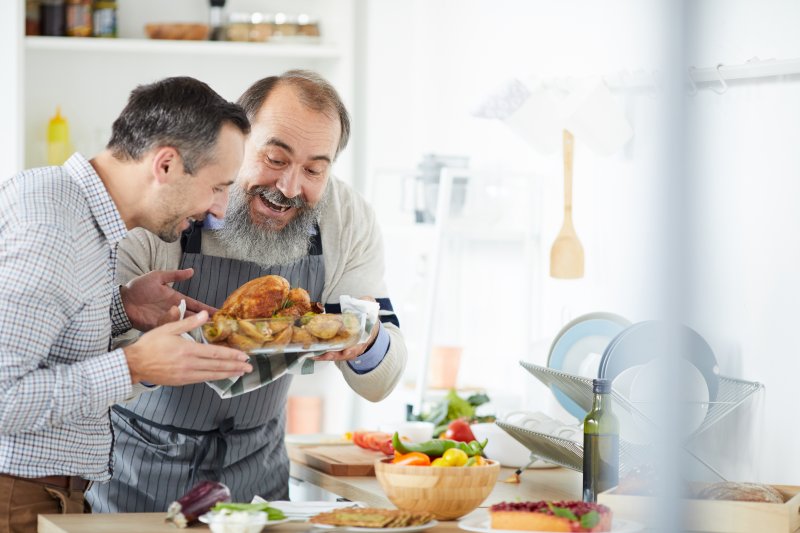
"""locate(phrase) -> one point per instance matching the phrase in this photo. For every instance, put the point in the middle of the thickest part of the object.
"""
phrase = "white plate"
(206, 519)
(481, 525)
(427, 525)
(306, 509)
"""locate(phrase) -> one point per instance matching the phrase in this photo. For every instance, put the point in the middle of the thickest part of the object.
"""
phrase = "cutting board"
(344, 460)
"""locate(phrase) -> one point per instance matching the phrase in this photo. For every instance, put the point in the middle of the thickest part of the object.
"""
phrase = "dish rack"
(568, 453)
(731, 393)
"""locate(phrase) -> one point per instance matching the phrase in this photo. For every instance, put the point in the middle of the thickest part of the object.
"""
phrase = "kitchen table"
(536, 484)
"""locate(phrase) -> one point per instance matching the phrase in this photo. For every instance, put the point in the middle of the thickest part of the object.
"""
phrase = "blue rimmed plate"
(578, 349)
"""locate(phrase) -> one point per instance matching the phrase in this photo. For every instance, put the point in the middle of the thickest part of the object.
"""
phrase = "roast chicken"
(266, 312)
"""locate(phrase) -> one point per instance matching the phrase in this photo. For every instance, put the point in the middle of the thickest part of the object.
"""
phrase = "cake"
(550, 516)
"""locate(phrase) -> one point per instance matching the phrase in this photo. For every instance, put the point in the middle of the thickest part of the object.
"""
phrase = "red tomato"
(387, 448)
(358, 438)
(374, 440)
(459, 430)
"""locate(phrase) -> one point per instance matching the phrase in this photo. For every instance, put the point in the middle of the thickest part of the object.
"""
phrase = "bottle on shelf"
(216, 28)
(32, 17)
(59, 147)
(51, 17)
(600, 444)
(104, 18)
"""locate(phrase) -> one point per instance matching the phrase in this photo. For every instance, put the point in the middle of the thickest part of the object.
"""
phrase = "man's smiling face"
(282, 187)
(287, 159)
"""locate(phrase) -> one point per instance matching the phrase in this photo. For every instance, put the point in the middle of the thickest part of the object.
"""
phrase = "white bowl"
(415, 431)
(235, 521)
(501, 447)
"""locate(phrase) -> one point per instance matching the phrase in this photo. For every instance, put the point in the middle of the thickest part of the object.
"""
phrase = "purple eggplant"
(197, 502)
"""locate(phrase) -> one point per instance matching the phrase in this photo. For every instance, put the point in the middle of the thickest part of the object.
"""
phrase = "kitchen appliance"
(426, 186)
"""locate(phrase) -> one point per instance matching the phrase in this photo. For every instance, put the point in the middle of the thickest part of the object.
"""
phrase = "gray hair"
(314, 92)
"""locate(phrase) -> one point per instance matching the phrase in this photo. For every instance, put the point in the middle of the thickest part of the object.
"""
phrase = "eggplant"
(198, 501)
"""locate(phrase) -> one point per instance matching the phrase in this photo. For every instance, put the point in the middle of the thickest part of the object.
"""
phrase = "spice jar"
(79, 18)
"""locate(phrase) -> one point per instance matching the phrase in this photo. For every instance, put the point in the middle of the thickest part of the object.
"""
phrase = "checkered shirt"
(59, 230)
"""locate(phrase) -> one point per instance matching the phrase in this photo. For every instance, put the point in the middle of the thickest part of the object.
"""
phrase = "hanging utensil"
(514, 478)
(566, 254)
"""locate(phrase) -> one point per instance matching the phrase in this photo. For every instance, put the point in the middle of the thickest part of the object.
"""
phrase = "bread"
(743, 492)
(548, 516)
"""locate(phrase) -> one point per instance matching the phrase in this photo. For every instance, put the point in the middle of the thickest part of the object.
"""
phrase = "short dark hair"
(180, 112)
(314, 92)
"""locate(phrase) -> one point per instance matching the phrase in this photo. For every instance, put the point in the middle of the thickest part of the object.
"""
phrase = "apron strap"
(219, 436)
(192, 238)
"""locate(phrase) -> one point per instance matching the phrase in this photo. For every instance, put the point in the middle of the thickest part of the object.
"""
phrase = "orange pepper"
(411, 459)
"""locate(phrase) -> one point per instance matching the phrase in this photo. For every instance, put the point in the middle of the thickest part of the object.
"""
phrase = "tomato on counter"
(374, 440)
(459, 430)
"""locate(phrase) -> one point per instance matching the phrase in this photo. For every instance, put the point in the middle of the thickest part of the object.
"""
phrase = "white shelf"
(205, 48)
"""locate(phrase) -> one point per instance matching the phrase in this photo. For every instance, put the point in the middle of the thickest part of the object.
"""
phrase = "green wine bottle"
(600, 444)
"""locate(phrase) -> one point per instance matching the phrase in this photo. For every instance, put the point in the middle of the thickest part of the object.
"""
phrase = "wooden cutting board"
(344, 460)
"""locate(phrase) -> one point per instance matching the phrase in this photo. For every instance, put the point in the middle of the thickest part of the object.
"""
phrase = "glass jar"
(32, 17)
(104, 18)
(79, 18)
(51, 17)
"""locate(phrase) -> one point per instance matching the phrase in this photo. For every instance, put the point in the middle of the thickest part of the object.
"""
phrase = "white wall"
(746, 170)
(429, 63)
(11, 132)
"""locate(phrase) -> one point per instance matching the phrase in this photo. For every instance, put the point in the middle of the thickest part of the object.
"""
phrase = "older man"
(286, 216)
(174, 150)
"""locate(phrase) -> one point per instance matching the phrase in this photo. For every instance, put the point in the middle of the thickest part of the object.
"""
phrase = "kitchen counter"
(536, 484)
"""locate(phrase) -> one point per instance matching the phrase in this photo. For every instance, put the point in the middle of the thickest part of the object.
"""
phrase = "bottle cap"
(601, 386)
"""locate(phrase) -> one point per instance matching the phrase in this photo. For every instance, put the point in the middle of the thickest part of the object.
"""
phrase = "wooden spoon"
(566, 255)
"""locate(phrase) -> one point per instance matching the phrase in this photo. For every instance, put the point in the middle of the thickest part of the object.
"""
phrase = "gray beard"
(258, 241)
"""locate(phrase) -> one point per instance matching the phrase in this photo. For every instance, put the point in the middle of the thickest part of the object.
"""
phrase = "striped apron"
(173, 437)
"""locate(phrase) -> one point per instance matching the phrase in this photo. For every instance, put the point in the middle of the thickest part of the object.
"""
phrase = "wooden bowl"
(447, 492)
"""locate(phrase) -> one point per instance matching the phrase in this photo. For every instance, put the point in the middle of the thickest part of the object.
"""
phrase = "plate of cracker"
(372, 520)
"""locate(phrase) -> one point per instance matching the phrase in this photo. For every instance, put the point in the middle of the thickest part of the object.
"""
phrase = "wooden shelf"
(204, 48)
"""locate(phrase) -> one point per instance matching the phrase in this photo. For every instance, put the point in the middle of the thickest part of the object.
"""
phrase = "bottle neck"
(215, 17)
(602, 401)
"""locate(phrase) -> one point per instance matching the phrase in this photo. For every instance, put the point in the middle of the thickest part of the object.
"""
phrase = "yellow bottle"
(58, 146)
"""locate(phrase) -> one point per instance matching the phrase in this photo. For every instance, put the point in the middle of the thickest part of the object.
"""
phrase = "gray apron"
(171, 438)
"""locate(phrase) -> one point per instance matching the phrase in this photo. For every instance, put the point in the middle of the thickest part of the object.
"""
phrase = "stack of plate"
(606, 345)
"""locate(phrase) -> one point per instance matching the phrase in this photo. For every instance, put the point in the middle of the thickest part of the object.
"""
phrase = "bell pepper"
(412, 459)
(437, 447)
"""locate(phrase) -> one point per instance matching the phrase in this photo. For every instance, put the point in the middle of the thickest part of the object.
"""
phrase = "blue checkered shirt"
(59, 307)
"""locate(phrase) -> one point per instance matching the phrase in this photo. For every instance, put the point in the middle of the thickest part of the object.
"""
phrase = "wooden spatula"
(566, 255)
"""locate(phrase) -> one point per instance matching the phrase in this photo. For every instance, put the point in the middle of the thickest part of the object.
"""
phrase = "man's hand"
(148, 298)
(348, 354)
(162, 357)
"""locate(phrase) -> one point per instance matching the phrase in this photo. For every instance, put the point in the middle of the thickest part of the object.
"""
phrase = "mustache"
(272, 194)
